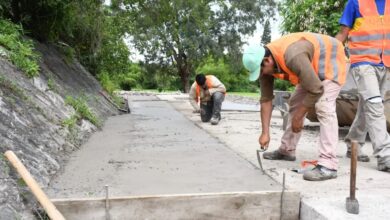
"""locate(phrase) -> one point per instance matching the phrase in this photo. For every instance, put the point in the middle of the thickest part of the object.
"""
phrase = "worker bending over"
(316, 64)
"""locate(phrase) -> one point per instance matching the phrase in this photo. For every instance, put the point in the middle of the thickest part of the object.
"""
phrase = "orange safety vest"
(208, 83)
(369, 38)
(328, 59)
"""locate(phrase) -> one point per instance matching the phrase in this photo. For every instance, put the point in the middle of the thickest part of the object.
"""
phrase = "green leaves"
(19, 51)
(320, 16)
(82, 110)
(266, 37)
(182, 33)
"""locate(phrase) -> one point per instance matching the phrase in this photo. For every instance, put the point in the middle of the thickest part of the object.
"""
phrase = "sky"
(256, 37)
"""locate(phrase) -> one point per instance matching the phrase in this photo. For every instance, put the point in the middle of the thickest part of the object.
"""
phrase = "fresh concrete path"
(155, 150)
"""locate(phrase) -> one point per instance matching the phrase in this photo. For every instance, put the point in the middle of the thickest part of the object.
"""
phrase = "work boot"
(361, 156)
(215, 120)
(384, 164)
(319, 173)
(276, 155)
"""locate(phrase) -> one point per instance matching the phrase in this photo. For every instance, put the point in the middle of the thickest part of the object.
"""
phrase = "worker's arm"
(266, 113)
(266, 88)
(193, 98)
(217, 86)
(347, 20)
(343, 33)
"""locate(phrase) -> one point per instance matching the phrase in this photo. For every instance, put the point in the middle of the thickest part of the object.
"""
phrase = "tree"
(266, 38)
(320, 16)
(181, 33)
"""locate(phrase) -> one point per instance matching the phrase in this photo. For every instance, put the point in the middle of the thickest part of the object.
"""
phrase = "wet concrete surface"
(155, 150)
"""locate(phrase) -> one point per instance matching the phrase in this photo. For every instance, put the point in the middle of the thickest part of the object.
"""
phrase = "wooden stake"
(50, 209)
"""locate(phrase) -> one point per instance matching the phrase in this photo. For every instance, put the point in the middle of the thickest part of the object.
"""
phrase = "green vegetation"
(4, 165)
(246, 94)
(82, 111)
(21, 182)
(177, 38)
(51, 84)
(283, 85)
(70, 122)
(181, 33)
(266, 37)
(19, 50)
(10, 88)
(234, 80)
(319, 16)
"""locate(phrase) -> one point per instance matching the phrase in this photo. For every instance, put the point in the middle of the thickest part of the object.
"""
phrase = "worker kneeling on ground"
(316, 65)
(211, 93)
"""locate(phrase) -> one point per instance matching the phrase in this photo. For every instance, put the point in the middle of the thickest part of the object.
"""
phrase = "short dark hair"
(200, 79)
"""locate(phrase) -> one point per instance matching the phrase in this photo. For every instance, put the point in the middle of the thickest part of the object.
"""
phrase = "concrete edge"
(225, 205)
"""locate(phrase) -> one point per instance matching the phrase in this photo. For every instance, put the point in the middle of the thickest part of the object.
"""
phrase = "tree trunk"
(184, 78)
(184, 71)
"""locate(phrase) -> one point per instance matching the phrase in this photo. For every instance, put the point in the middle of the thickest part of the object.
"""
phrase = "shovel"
(352, 203)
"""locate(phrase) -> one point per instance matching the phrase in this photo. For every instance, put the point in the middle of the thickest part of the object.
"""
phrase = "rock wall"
(32, 112)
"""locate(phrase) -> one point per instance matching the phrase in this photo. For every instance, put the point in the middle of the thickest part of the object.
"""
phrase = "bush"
(283, 85)
(19, 51)
(82, 109)
(107, 83)
(234, 79)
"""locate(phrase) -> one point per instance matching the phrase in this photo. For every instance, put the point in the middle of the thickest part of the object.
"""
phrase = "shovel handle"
(352, 188)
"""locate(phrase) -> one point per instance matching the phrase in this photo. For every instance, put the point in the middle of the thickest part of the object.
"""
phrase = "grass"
(82, 110)
(246, 94)
(70, 122)
(18, 50)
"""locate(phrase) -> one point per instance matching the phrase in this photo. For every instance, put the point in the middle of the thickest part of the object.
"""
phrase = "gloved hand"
(196, 111)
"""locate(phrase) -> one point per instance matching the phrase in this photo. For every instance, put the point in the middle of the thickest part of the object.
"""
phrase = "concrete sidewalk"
(320, 200)
(155, 150)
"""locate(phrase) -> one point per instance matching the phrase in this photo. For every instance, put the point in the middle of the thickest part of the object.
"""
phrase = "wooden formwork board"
(235, 205)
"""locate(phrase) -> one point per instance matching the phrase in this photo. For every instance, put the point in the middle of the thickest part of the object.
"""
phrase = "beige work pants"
(326, 113)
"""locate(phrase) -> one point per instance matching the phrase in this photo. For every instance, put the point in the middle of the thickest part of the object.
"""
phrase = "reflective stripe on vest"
(209, 84)
(369, 39)
(328, 58)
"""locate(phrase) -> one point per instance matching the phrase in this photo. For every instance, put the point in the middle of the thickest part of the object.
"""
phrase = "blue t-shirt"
(351, 13)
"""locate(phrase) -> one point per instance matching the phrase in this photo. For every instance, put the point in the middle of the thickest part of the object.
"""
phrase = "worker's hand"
(298, 119)
(264, 140)
(196, 111)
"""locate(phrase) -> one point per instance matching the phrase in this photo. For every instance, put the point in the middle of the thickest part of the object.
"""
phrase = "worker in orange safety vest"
(366, 26)
(206, 96)
(316, 65)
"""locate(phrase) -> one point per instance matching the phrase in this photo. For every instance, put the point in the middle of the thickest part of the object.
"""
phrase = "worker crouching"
(210, 93)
